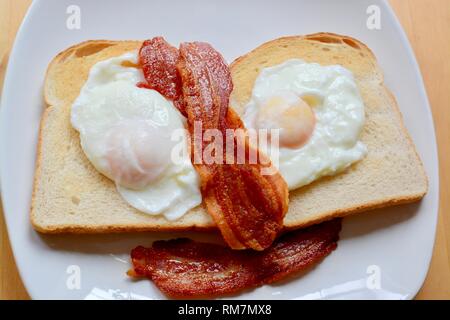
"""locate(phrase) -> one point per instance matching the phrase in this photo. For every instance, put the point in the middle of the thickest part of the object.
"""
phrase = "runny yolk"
(290, 114)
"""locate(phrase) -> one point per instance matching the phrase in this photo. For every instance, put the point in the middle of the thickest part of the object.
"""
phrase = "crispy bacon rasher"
(158, 61)
(185, 268)
(247, 206)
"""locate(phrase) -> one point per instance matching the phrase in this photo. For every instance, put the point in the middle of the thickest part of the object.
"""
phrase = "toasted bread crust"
(204, 224)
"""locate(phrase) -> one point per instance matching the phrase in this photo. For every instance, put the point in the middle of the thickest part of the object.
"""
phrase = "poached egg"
(319, 113)
(127, 133)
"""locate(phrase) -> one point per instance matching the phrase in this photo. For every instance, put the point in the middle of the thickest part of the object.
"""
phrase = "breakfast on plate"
(271, 151)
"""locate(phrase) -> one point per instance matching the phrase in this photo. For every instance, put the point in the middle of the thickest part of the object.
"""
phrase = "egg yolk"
(290, 114)
(137, 154)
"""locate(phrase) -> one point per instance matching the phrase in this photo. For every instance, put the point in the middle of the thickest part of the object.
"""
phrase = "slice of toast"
(71, 196)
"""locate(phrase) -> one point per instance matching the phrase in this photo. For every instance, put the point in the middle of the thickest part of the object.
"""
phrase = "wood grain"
(427, 24)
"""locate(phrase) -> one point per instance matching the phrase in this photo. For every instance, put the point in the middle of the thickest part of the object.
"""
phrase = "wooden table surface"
(427, 23)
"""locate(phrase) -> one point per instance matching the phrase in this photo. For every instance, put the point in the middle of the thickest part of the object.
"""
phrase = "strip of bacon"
(158, 60)
(247, 206)
(185, 268)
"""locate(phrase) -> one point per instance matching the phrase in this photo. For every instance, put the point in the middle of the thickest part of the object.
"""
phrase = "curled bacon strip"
(158, 60)
(247, 206)
(185, 268)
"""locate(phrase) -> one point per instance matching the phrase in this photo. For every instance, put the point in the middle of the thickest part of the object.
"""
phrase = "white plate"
(393, 245)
